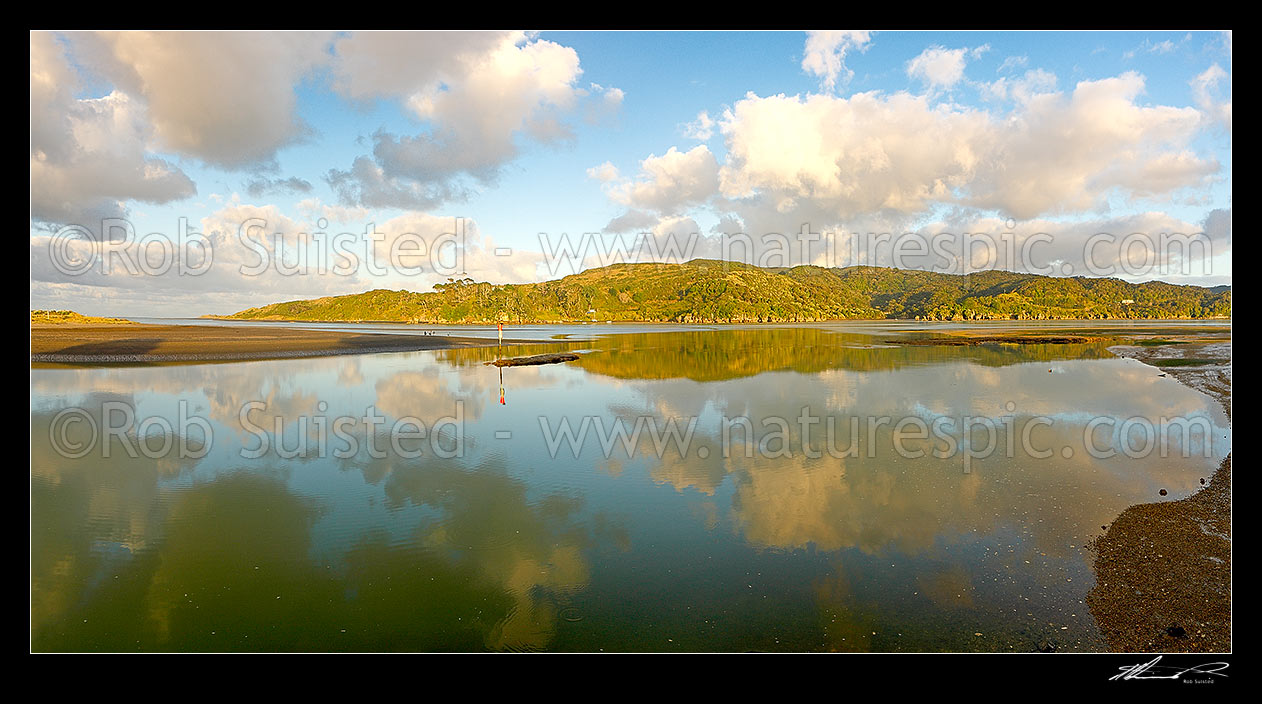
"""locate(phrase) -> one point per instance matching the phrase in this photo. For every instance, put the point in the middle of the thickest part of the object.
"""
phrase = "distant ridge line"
(714, 291)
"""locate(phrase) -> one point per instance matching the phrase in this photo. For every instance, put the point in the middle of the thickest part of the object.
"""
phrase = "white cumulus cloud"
(825, 54)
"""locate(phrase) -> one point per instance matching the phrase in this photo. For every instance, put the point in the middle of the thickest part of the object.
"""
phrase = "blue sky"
(1070, 134)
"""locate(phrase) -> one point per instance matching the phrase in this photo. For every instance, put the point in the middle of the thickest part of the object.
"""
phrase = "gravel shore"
(1163, 570)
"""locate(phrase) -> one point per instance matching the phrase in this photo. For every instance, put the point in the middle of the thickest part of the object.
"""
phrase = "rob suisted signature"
(1152, 671)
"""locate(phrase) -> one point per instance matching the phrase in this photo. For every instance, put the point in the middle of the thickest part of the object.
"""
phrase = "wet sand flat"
(151, 344)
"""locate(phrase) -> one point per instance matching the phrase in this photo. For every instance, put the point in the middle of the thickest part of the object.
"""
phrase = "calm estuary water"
(781, 514)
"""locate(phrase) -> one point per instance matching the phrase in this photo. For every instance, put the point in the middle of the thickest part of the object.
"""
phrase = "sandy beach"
(157, 344)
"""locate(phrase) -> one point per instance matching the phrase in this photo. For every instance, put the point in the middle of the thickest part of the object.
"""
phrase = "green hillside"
(707, 291)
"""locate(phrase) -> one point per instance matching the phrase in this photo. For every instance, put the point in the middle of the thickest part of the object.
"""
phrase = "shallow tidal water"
(781, 514)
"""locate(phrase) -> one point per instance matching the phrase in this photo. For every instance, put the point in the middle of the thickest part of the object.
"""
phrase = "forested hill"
(706, 291)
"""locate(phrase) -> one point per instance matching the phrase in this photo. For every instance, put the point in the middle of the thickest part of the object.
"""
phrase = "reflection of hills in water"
(715, 355)
(513, 548)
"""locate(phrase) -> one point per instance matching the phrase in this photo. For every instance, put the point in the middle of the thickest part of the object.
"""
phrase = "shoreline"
(277, 319)
(1163, 569)
(75, 344)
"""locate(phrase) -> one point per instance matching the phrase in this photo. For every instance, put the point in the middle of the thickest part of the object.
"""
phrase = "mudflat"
(535, 360)
(155, 344)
